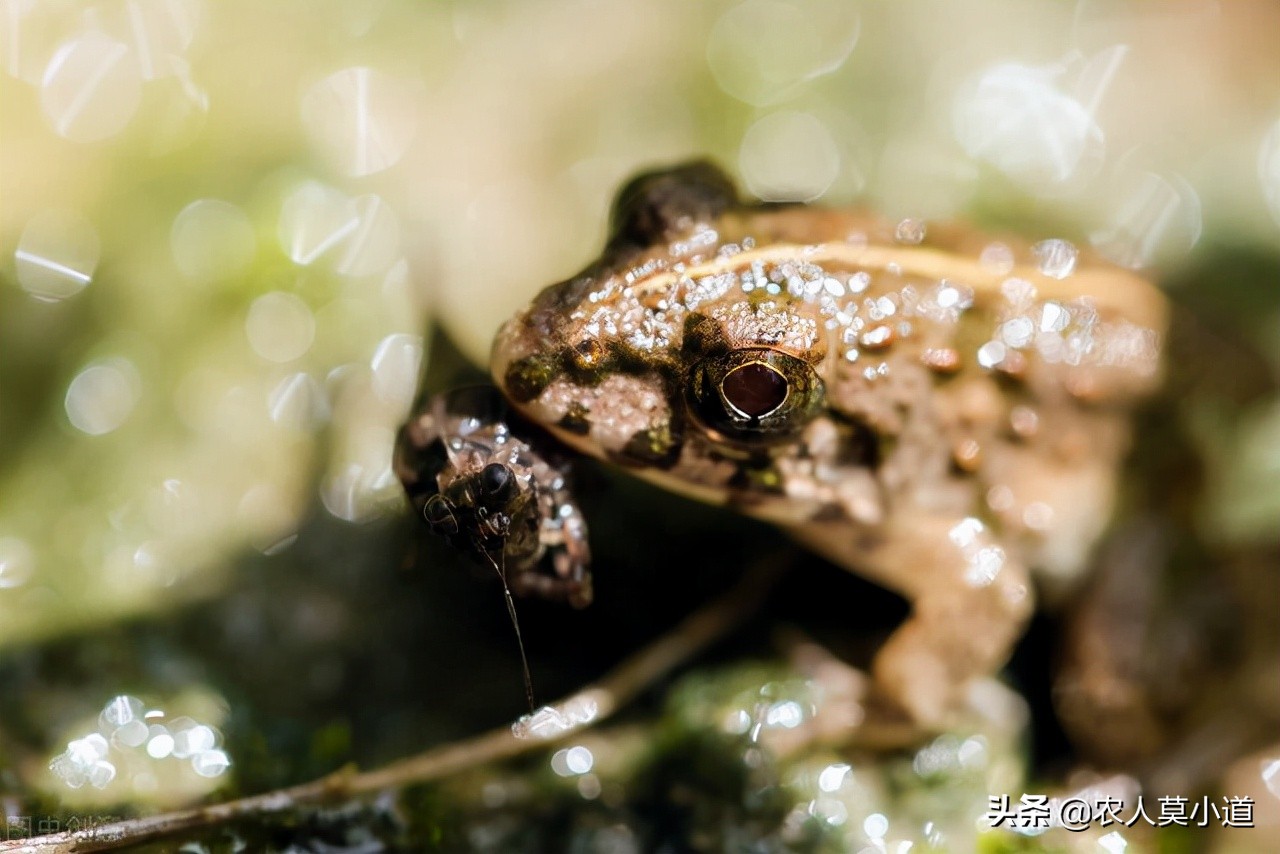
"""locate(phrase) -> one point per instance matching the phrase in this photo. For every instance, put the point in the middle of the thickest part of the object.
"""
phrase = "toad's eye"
(754, 395)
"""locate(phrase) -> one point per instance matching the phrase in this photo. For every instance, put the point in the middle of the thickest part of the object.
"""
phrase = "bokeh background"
(227, 229)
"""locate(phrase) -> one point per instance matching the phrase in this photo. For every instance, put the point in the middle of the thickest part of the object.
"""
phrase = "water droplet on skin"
(997, 258)
(212, 239)
(91, 87)
(361, 119)
(910, 231)
(1055, 258)
(1024, 421)
(991, 354)
(985, 566)
(1017, 332)
(1019, 292)
(1054, 317)
(966, 531)
(877, 337)
(948, 297)
(1038, 516)
(942, 359)
(57, 255)
(1000, 498)
(102, 396)
(967, 454)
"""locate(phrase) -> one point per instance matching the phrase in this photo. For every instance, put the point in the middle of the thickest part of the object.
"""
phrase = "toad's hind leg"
(970, 601)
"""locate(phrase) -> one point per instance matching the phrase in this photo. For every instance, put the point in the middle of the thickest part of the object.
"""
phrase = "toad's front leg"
(970, 600)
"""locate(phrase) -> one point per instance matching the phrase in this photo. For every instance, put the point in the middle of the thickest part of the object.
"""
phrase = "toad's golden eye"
(754, 396)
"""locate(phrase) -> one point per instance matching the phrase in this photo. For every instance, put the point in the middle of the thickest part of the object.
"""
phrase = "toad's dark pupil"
(754, 389)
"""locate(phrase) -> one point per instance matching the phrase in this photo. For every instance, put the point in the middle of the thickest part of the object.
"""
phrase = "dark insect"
(473, 476)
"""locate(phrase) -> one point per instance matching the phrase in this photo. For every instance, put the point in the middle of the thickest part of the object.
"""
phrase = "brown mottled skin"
(907, 446)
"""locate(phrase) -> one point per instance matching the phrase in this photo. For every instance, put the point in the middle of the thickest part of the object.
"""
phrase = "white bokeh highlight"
(133, 746)
(91, 87)
(280, 326)
(298, 402)
(1269, 169)
(1036, 123)
(57, 255)
(374, 244)
(159, 32)
(212, 239)
(102, 396)
(17, 562)
(355, 236)
(1152, 217)
(395, 365)
(361, 119)
(762, 52)
(788, 156)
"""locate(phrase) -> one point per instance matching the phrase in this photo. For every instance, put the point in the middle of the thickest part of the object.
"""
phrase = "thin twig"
(617, 688)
